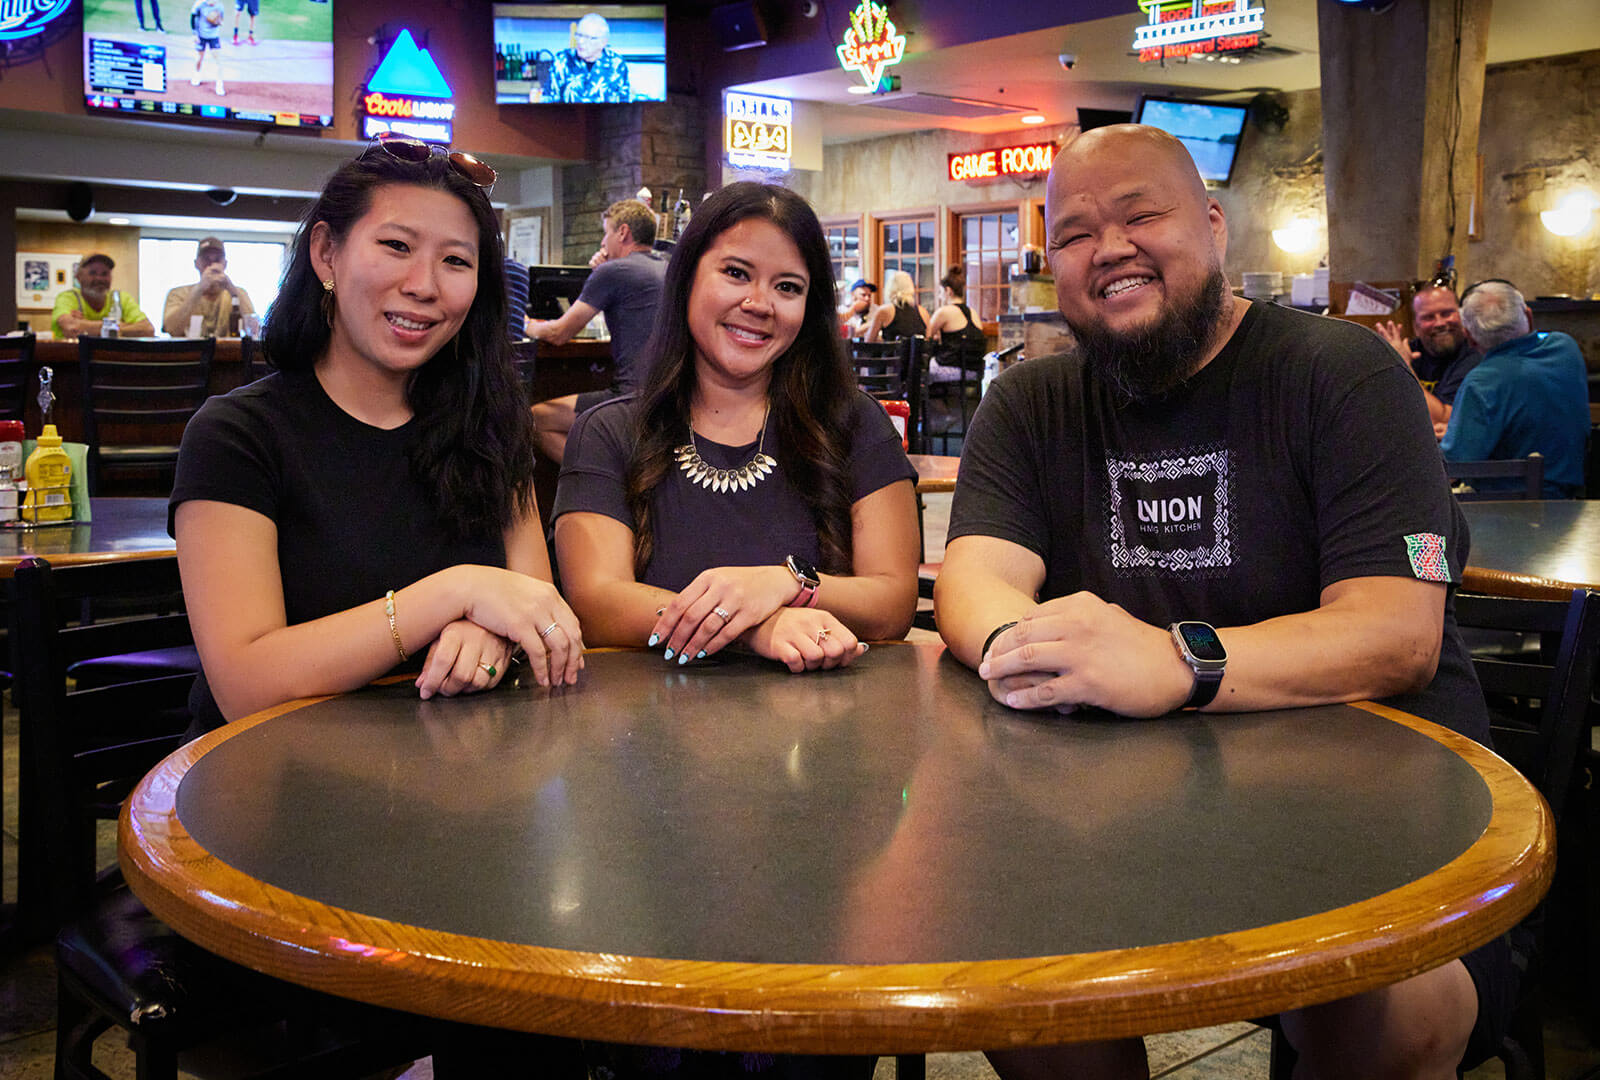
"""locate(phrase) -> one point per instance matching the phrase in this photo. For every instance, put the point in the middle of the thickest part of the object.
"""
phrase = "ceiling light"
(857, 88)
(119, 221)
(1033, 118)
(1573, 214)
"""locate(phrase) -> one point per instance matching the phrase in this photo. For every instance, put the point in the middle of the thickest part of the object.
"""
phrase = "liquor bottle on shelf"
(681, 214)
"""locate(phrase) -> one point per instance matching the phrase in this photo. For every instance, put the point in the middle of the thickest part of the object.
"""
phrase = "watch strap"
(1205, 689)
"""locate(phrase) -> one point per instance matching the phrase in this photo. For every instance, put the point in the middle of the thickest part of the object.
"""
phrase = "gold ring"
(488, 669)
(721, 614)
(547, 631)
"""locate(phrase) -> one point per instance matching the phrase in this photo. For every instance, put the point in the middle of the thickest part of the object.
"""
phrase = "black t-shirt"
(1442, 375)
(352, 521)
(1300, 456)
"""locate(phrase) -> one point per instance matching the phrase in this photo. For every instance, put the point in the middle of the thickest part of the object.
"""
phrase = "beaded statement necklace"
(699, 471)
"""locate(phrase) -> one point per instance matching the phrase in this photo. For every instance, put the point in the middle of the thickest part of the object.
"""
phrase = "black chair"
(1530, 470)
(1538, 706)
(131, 386)
(16, 373)
(959, 393)
(252, 359)
(887, 371)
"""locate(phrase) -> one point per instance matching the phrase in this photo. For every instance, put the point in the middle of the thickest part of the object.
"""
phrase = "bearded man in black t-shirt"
(1265, 476)
(1440, 355)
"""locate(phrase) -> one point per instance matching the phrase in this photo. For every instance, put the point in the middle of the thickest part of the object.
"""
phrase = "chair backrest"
(253, 359)
(1543, 740)
(1529, 470)
(82, 749)
(16, 372)
(889, 371)
(133, 385)
(524, 355)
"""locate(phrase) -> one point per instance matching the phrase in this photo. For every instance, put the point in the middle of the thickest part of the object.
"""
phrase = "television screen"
(563, 53)
(1211, 132)
(269, 63)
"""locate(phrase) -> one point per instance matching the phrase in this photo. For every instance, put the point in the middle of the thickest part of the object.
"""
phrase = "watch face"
(1203, 643)
(801, 568)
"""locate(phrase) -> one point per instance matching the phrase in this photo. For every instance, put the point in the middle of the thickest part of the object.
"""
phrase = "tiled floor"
(27, 983)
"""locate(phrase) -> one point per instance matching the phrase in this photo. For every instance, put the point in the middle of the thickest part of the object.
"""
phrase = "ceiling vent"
(942, 105)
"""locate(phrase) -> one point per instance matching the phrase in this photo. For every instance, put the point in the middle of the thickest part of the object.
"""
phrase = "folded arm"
(562, 330)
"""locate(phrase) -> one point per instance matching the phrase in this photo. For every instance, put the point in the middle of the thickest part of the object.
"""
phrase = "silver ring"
(723, 615)
(547, 631)
(822, 635)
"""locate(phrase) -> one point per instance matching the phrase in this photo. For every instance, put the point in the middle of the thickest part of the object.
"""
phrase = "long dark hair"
(812, 391)
(475, 442)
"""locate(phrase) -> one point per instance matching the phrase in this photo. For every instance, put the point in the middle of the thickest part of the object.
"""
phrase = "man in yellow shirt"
(211, 297)
(81, 312)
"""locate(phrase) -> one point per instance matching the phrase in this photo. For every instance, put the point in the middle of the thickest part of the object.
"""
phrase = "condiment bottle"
(49, 470)
(112, 323)
(11, 436)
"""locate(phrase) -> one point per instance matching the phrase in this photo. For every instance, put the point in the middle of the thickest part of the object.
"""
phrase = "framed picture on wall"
(526, 232)
(42, 276)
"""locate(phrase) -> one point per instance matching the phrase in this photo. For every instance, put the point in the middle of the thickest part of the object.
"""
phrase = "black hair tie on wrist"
(996, 632)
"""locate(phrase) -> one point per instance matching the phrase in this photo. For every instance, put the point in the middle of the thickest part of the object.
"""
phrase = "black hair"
(475, 443)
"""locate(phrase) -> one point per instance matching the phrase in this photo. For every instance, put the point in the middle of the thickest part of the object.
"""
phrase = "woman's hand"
(531, 613)
(465, 658)
(805, 639)
(718, 606)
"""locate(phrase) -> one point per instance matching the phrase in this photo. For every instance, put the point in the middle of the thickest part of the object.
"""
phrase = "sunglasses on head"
(415, 151)
(1486, 281)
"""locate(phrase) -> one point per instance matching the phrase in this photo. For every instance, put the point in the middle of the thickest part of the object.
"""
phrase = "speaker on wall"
(80, 200)
(739, 26)
(1093, 118)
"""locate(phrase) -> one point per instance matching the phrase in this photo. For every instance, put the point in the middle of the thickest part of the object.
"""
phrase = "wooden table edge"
(1477, 579)
(874, 1009)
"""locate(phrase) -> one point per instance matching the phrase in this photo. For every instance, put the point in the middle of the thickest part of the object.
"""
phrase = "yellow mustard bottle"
(49, 472)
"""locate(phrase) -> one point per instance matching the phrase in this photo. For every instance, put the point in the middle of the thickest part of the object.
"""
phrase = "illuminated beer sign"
(757, 131)
(1027, 160)
(408, 96)
(1180, 28)
(871, 43)
(25, 18)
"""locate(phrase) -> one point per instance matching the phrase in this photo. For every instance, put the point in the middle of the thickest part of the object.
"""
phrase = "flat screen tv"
(567, 53)
(214, 60)
(1211, 132)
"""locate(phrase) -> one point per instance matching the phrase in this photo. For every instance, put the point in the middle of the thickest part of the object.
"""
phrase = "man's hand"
(1391, 332)
(213, 279)
(1079, 650)
(597, 258)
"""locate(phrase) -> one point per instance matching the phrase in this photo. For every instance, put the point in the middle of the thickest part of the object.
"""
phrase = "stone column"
(1398, 87)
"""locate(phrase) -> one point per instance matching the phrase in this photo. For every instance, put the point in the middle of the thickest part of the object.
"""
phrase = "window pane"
(165, 264)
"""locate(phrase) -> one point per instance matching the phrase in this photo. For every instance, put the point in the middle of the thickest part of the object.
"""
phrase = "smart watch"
(806, 575)
(1202, 650)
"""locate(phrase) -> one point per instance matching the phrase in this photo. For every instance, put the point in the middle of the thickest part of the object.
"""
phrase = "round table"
(1539, 550)
(875, 860)
(118, 529)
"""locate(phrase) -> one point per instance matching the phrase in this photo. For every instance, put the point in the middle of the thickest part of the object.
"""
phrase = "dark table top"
(1535, 549)
(879, 859)
(118, 529)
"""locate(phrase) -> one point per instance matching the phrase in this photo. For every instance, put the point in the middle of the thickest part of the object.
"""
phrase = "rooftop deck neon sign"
(872, 43)
(1187, 27)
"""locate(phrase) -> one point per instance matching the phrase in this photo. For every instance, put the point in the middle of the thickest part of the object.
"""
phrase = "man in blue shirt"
(1530, 394)
(591, 70)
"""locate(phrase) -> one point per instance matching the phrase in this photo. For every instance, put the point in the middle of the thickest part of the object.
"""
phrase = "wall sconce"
(1573, 214)
(1300, 235)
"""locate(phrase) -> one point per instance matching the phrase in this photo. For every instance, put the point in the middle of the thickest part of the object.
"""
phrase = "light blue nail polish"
(667, 655)
(684, 659)
(701, 655)
(654, 638)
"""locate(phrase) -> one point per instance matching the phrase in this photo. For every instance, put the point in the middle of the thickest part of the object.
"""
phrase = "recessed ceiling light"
(858, 88)
(118, 221)
(1033, 118)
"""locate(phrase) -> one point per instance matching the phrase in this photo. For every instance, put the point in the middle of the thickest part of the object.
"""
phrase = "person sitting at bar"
(1222, 505)
(853, 316)
(212, 298)
(370, 504)
(626, 286)
(749, 494)
(1529, 395)
(953, 322)
(902, 316)
(1440, 355)
(82, 312)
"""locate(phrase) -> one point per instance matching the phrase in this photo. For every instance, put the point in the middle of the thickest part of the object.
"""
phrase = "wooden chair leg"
(910, 1066)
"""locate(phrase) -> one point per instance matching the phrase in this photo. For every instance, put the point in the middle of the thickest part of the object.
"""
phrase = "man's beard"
(1146, 362)
(1442, 345)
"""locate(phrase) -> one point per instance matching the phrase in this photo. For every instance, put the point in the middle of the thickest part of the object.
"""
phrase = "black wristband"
(996, 632)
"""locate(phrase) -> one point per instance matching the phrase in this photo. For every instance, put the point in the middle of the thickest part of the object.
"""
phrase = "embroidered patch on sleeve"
(1426, 551)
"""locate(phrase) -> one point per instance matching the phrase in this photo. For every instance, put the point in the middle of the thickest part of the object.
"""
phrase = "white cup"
(194, 325)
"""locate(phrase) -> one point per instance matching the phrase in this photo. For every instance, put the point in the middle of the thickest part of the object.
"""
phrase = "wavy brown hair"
(812, 390)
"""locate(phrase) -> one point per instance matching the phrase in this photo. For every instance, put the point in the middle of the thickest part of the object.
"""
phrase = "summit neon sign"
(1180, 28)
(871, 44)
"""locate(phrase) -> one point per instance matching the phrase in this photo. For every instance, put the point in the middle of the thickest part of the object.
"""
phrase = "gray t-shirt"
(697, 529)
(626, 291)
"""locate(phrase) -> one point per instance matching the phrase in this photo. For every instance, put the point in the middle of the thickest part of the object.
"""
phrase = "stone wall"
(658, 145)
(1277, 180)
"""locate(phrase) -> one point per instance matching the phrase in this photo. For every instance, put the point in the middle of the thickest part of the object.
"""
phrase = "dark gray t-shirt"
(697, 529)
(1300, 456)
(626, 291)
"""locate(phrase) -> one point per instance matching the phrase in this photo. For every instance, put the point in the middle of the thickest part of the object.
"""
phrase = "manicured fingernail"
(701, 655)
(684, 659)
(654, 639)
(983, 670)
(668, 654)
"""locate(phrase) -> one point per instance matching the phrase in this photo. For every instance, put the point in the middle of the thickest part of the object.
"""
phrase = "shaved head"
(1136, 141)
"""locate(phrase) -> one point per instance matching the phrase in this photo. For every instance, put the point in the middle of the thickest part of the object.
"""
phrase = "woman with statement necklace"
(750, 493)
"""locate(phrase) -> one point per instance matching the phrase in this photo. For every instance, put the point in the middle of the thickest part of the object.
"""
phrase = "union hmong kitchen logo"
(25, 18)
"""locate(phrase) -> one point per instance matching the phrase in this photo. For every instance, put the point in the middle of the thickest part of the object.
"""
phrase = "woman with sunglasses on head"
(370, 503)
(750, 493)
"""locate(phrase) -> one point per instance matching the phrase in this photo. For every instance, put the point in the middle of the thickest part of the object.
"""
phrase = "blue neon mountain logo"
(408, 70)
(24, 18)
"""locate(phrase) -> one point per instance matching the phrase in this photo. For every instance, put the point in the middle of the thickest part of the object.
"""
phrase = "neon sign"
(872, 43)
(758, 131)
(1193, 27)
(407, 95)
(25, 18)
(1025, 160)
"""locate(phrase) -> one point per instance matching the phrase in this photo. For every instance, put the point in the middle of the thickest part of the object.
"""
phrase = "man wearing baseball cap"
(211, 298)
(81, 312)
